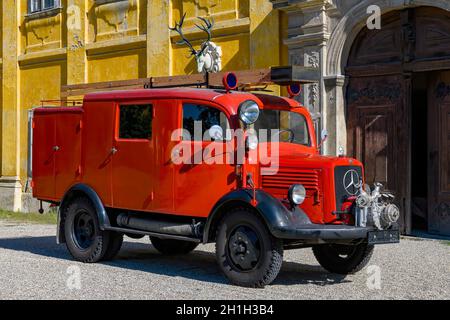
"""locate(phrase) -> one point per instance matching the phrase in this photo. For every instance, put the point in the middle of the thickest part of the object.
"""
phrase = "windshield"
(284, 126)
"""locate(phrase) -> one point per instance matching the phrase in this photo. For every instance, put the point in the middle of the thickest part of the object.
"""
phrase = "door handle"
(114, 150)
(56, 148)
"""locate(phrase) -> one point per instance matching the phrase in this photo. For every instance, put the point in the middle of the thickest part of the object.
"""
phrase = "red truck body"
(109, 181)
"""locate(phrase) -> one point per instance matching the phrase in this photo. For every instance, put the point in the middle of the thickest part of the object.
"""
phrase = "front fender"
(271, 210)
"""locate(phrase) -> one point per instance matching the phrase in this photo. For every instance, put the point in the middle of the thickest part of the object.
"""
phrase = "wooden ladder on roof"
(247, 81)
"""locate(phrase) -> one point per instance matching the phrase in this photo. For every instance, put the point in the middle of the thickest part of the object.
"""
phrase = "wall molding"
(126, 43)
(42, 56)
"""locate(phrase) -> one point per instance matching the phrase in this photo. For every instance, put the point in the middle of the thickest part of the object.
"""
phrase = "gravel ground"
(33, 266)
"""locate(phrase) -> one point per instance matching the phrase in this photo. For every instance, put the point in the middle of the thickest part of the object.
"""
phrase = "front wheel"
(247, 253)
(343, 259)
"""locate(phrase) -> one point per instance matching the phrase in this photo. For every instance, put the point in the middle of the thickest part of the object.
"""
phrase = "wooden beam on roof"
(295, 74)
(192, 80)
(247, 78)
(82, 89)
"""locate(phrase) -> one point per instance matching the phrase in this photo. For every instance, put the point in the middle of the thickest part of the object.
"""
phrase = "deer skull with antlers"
(209, 57)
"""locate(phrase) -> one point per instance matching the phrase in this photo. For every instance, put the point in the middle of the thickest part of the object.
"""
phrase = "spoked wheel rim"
(244, 248)
(83, 230)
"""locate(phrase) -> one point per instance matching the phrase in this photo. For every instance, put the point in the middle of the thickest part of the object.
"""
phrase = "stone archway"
(349, 26)
(385, 69)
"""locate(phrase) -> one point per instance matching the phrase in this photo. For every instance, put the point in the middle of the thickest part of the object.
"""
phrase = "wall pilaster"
(158, 38)
(10, 186)
(76, 42)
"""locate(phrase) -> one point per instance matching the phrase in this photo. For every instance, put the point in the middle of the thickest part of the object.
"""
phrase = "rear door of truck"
(44, 137)
(68, 150)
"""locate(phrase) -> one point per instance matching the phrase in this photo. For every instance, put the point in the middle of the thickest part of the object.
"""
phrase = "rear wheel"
(246, 251)
(173, 247)
(84, 239)
(343, 259)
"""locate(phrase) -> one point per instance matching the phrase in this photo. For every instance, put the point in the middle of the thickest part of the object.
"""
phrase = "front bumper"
(330, 233)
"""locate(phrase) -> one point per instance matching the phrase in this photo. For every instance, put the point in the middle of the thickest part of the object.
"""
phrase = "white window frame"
(40, 6)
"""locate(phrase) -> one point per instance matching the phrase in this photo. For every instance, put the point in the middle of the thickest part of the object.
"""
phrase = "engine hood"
(292, 155)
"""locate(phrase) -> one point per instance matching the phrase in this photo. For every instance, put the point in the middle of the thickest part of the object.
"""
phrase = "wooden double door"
(383, 134)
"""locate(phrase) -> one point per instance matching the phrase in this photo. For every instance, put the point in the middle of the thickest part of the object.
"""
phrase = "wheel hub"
(244, 248)
(84, 230)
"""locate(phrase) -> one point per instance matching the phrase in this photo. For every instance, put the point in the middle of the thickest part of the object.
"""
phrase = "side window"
(203, 118)
(136, 121)
(42, 5)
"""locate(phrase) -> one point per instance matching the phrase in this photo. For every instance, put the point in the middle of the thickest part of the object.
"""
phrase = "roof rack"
(247, 81)
(62, 103)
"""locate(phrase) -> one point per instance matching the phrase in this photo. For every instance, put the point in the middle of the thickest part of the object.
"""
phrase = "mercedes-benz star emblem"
(352, 182)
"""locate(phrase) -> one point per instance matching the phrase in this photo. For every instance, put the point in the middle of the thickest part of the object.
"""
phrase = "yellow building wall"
(117, 66)
(91, 41)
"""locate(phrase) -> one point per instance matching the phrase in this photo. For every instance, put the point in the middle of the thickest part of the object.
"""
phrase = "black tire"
(343, 259)
(173, 247)
(115, 243)
(84, 239)
(247, 253)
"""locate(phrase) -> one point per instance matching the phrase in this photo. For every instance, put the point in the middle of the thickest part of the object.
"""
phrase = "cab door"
(133, 156)
(203, 171)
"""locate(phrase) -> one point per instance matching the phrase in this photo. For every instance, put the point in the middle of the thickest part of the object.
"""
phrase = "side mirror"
(323, 138)
(216, 133)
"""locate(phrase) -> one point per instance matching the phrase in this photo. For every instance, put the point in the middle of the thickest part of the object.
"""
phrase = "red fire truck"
(113, 167)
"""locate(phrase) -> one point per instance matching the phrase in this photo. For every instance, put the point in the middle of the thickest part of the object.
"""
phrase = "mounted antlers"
(179, 28)
(206, 27)
(209, 57)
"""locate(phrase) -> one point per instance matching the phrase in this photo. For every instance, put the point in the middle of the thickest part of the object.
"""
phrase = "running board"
(153, 234)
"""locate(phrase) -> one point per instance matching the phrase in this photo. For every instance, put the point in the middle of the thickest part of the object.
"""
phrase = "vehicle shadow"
(199, 265)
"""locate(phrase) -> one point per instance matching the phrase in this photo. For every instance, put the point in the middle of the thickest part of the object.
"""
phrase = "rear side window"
(136, 121)
(205, 117)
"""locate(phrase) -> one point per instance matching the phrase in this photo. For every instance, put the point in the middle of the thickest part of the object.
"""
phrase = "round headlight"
(249, 112)
(297, 194)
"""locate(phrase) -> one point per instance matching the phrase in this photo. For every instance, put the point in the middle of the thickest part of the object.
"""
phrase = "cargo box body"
(71, 146)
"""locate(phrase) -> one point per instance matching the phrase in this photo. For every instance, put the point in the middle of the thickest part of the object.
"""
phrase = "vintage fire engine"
(113, 167)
